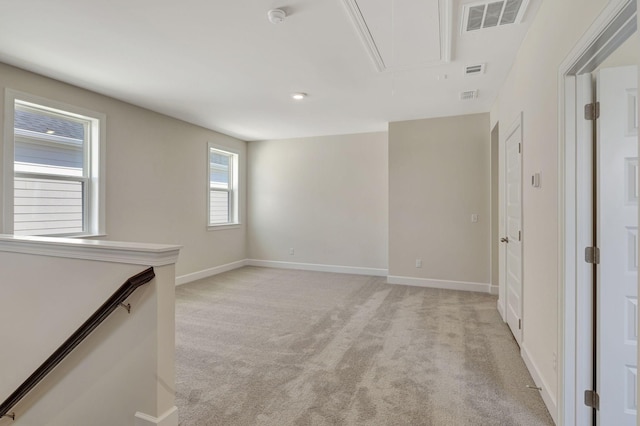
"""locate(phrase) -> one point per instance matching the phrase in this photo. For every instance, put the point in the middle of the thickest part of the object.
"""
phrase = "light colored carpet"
(259, 346)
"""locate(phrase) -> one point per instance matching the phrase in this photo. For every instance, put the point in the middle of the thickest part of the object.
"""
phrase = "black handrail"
(76, 338)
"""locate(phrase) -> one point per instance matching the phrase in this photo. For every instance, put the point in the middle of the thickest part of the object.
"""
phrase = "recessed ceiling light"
(298, 96)
(50, 132)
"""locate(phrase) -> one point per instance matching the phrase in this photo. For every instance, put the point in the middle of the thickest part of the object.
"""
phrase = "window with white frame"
(53, 175)
(223, 187)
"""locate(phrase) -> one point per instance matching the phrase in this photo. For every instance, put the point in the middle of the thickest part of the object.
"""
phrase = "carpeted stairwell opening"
(259, 346)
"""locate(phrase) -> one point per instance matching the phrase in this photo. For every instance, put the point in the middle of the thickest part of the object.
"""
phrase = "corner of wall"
(170, 418)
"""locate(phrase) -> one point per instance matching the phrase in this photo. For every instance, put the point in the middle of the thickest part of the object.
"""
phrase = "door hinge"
(519, 148)
(520, 324)
(519, 235)
(592, 399)
(592, 255)
(592, 111)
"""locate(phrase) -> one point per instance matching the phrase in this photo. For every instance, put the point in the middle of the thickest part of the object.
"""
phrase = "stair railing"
(110, 305)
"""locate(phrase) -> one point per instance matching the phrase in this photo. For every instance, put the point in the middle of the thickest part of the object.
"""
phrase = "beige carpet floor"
(273, 347)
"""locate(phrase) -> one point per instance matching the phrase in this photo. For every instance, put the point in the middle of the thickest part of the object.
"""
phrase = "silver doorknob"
(504, 239)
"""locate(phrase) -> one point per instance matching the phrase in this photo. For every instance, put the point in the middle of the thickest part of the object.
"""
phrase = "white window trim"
(97, 168)
(235, 172)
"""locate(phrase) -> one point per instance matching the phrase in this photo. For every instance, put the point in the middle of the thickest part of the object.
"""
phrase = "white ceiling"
(224, 66)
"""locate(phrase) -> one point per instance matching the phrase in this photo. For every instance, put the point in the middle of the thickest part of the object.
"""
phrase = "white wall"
(439, 175)
(156, 174)
(532, 87)
(495, 205)
(325, 197)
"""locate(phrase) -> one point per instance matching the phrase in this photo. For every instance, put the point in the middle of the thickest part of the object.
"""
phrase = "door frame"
(494, 224)
(610, 29)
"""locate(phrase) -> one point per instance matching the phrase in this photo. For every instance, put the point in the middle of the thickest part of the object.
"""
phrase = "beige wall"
(439, 175)
(325, 197)
(156, 174)
(532, 87)
(627, 54)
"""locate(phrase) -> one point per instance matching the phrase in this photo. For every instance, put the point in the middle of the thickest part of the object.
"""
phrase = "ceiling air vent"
(468, 95)
(474, 70)
(479, 16)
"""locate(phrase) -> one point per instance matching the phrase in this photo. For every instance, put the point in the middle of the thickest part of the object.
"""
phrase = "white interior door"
(617, 238)
(513, 229)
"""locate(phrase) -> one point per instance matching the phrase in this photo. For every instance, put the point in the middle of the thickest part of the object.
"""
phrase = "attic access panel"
(403, 34)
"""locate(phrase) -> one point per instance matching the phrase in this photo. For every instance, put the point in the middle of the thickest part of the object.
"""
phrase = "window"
(223, 187)
(53, 184)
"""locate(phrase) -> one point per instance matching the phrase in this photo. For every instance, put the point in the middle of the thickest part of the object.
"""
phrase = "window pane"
(219, 170)
(48, 143)
(219, 207)
(222, 186)
(47, 206)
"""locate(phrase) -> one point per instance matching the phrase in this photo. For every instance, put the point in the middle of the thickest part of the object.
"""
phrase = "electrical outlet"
(418, 263)
(292, 251)
(474, 218)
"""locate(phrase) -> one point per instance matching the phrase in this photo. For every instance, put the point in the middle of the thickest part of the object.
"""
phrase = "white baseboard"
(170, 418)
(548, 398)
(443, 284)
(493, 289)
(318, 267)
(501, 310)
(183, 279)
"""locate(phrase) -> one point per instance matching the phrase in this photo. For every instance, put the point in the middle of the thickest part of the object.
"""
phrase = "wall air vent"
(468, 95)
(474, 70)
(479, 16)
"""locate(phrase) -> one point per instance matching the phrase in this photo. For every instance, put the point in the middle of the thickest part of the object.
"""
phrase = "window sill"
(74, 236)
(88, 236)
(224, 227)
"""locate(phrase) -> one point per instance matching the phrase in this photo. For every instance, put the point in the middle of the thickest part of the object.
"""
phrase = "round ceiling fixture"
(298, 96)
(276, 16)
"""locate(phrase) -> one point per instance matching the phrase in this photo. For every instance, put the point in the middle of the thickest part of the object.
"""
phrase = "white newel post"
(121, 374)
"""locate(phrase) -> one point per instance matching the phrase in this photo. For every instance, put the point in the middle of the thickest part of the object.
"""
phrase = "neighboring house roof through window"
(41, 123)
